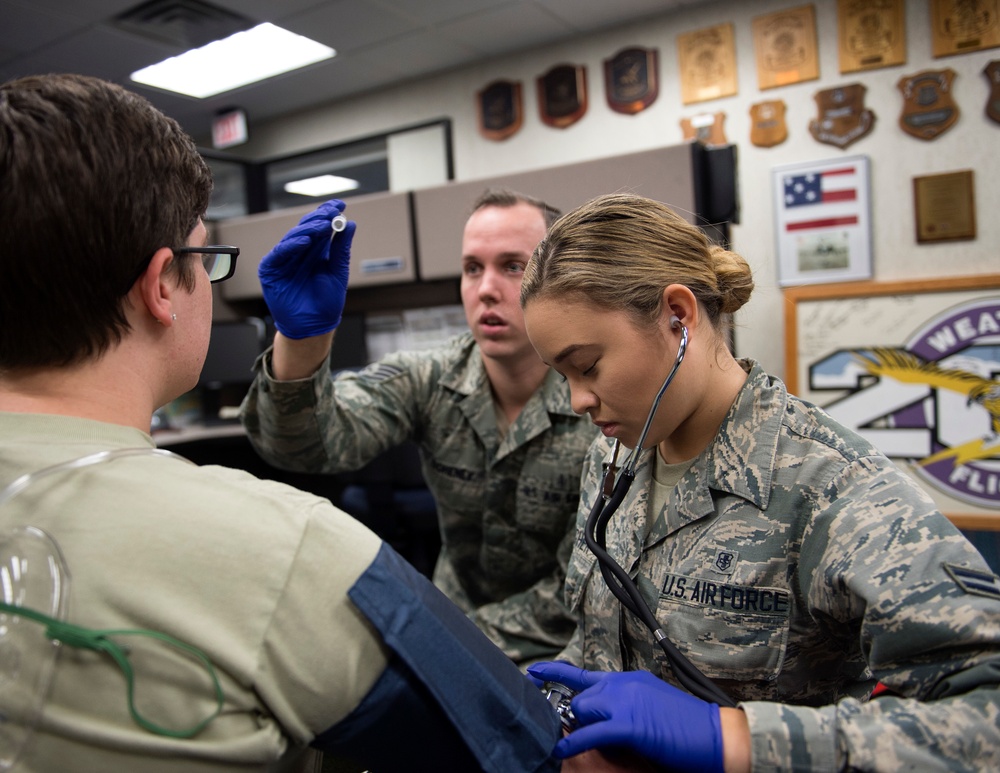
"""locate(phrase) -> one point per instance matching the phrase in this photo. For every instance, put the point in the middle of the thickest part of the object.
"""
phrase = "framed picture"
(914, 367)
(823, 221)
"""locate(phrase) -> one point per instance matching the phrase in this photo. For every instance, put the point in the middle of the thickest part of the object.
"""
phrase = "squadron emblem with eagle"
(905, 367)
(933, 401)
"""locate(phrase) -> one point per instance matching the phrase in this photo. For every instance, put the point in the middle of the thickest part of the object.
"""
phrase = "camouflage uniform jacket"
(505, 507)
(796, 565)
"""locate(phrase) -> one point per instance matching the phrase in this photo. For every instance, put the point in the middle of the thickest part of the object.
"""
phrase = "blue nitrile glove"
(304, 278)
(635, 710)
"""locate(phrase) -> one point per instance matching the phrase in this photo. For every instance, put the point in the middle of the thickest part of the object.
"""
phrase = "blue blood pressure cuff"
(446, 667)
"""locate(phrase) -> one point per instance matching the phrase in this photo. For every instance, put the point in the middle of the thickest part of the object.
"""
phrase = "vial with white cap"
(339, 223)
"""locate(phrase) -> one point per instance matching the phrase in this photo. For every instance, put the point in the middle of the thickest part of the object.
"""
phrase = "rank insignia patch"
(974, 581)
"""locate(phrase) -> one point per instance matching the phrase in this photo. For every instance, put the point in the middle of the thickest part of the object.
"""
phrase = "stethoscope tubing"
(619, 583)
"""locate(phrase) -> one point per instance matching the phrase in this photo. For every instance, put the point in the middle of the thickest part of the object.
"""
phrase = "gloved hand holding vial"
(304, 278)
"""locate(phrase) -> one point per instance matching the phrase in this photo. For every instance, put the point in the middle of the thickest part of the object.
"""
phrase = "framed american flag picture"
(823, 221)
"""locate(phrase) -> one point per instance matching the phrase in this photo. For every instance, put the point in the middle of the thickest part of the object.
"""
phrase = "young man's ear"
(154, 289)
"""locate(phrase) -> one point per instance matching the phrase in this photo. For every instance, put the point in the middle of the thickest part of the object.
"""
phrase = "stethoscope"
(611, 496)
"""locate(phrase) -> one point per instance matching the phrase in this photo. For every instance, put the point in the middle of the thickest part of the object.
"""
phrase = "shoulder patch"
(380, 371)
(975, 581)
(725, 561)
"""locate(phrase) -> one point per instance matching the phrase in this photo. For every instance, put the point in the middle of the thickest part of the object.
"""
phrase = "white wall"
(896, 157)
(417, 159)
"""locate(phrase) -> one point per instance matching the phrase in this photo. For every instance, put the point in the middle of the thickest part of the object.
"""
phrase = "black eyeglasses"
(219, 260)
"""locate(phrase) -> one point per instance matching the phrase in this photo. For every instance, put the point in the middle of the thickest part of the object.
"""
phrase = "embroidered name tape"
(733, 598)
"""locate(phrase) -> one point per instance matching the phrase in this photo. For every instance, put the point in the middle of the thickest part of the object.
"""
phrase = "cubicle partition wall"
(665, 174)
(407, 237)
(382, 252)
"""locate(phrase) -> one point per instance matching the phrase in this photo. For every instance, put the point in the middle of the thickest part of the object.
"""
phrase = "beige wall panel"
(440, 213)
(382, 252)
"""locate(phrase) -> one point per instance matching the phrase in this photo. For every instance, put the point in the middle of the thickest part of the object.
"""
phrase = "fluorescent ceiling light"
(324, 185)
(246, 57)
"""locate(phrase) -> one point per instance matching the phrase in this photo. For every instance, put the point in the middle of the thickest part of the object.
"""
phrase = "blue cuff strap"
(503, 718)
(397, 722)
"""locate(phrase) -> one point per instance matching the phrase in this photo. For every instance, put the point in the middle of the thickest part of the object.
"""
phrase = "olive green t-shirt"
(252, 572)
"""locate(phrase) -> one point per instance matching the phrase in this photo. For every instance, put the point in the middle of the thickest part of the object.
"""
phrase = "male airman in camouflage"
(500, 446)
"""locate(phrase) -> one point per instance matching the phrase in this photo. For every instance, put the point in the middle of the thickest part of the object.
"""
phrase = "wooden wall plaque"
(929, 108)
(708, 63)
(499, 109)
(945, 206)
(843, 118)
(562, 95)
(706, 128)
(767, 123)
(960, 26)
(786, 48)
(632, 79)
(992, 73)
(871, 33)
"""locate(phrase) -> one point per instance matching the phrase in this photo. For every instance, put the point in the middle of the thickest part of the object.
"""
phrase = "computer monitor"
(231, 353)
(228, 369)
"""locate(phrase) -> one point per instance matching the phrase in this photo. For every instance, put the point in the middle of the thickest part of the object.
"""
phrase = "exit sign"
(229, 128)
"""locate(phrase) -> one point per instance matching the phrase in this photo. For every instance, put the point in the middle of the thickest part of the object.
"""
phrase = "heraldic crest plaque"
(631, 80)
(843, 117)
(562, 95)
(500, 113)
(706, 128)
(928, 107)
(992, 73)
(768, 126)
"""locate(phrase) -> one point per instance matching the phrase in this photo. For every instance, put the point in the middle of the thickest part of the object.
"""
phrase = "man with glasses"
(216, 622)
